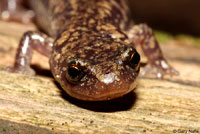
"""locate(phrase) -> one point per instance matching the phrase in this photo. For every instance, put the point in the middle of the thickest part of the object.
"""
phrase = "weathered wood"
(40, 105)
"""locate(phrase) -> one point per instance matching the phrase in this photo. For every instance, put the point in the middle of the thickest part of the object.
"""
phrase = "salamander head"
(99, 70)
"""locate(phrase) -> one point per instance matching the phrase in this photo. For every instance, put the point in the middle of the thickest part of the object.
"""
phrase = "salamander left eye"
(135, 59)
(74, 73)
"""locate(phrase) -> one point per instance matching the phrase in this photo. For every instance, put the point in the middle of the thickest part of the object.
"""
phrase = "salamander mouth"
(103, 93)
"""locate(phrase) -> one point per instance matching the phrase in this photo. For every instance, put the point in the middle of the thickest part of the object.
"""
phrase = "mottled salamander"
(91, 45)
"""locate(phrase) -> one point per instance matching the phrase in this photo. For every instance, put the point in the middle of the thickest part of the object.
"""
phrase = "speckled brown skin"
(96, 37)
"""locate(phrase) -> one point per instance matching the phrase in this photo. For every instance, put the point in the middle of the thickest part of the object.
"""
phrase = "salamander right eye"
(135, 59)
(74, 73)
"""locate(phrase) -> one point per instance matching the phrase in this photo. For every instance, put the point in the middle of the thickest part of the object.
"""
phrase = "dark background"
(177, 16)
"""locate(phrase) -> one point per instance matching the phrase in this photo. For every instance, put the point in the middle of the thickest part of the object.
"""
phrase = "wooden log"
(36, 104)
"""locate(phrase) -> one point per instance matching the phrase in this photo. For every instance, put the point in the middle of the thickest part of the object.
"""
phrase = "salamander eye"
(74, 73)
(134, 60)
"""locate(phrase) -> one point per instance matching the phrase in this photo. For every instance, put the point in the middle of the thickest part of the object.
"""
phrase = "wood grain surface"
(37, 104)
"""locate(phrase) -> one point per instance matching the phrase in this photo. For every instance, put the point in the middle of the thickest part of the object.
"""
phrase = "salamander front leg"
(143, 35)
(13, 10)
(29, 42)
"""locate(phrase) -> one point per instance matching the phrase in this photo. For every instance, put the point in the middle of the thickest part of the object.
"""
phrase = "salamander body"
(91, 46)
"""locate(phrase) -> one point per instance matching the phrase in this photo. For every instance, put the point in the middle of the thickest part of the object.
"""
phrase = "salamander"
(90, 45)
